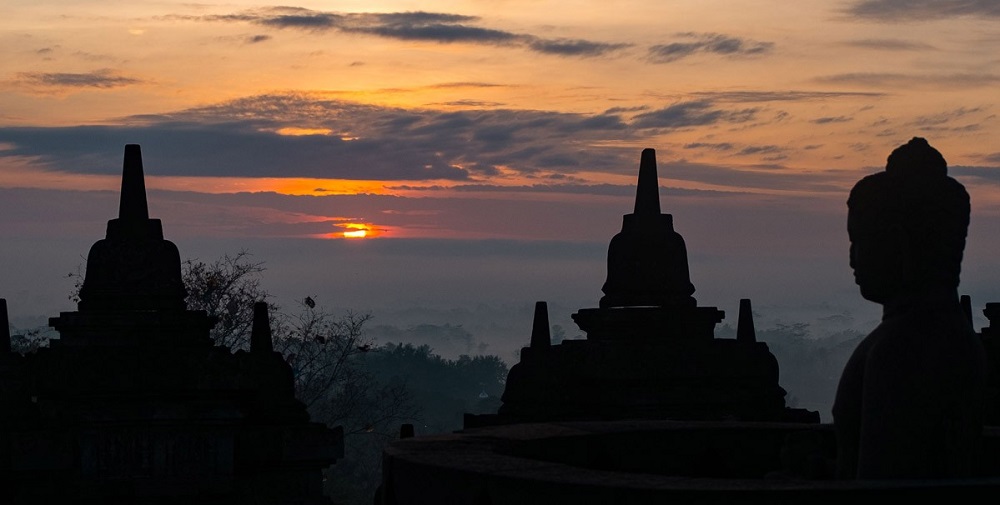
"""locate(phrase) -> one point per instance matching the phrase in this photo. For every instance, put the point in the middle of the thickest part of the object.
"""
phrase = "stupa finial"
(744, 327)
(132, 206)
(260, 333)
(133, 220)
(4, 328)
(540, 336)
(647, 191)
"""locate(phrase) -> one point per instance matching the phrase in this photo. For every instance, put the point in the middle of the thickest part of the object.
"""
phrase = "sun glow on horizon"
(355, 231)
(295, 186)
(294, 131)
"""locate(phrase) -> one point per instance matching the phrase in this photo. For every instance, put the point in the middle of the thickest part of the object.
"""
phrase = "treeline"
(439, 392)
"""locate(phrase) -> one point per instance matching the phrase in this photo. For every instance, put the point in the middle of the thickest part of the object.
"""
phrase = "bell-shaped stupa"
(133, 267)
(650, 351)
(647, 260)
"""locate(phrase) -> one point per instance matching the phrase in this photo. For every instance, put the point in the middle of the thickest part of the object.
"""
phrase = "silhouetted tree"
(25, 341)
(321, 346)
(226, 288)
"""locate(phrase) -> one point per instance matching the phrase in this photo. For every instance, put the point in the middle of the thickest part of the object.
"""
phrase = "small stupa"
(650, 351)
(135, 404)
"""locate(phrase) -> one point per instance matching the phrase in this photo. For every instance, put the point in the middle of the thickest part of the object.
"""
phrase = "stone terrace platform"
(640, 462)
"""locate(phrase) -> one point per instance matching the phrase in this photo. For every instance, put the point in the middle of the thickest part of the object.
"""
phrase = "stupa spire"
(132, 205)
(5, 347)
(260, 333)
(540, 336)
(744, 327)
(647, 191)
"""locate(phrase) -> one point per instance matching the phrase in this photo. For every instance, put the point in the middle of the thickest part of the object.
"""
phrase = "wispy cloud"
(767, 152)
(575, 47)
(922, 10)
(437, 27)
(101, 79)
(288, 17)
(764, 149)
(971, 120)
(575, 189)
(782, 96)
(831, 119)
(769, 177)
(946, 117)
(694, 113)
(468, 103)
(889, 45)
(985, 174)
(466, 84)
(445, 28)
(923, 81)
(712, 146)
(711, 43)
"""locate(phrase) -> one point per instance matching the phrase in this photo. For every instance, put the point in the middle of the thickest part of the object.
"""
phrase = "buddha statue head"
(907, 225)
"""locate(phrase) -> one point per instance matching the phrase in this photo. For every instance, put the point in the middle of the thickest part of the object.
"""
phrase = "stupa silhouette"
(650, 351)
(135, 404)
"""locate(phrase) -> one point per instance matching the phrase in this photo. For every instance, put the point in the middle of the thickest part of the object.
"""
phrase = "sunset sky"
(488, 148)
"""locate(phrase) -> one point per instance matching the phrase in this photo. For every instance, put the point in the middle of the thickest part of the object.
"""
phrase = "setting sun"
(357, 230)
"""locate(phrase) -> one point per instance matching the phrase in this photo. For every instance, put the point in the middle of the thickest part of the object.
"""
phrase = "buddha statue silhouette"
(910, 399)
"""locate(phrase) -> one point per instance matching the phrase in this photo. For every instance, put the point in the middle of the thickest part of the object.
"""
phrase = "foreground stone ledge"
(595, 462)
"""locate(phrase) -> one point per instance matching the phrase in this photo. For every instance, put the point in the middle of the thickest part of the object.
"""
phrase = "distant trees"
(810, 366)
(445, 389)
(342, 376)
(321, 347)
(24, 341)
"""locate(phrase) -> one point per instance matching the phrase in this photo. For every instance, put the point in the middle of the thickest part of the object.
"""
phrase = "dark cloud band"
(419, 25)
(262, 136)
(710, 43)
(101, 79)
(922, 10)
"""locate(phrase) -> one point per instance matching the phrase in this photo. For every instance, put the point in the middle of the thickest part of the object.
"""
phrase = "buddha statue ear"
(883, 263)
